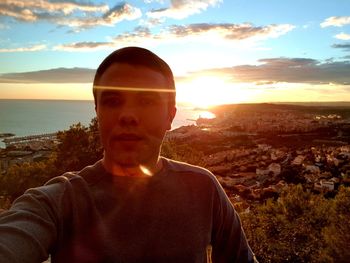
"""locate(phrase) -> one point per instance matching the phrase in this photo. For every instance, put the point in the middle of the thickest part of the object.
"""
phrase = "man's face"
(132, 123)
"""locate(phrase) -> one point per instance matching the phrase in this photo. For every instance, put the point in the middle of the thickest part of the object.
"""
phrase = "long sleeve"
(228, 239)
(92, 217)
(58, 218)
(28, 229)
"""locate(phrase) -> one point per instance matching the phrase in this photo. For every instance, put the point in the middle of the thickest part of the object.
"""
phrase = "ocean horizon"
(31, 117)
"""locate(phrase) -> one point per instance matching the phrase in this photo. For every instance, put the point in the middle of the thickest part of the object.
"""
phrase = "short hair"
(137, 56)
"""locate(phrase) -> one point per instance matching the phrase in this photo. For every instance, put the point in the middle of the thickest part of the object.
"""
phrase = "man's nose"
(129, 117)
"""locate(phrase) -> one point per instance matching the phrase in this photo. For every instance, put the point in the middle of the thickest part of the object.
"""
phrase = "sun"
(207, 115)
(207, 91)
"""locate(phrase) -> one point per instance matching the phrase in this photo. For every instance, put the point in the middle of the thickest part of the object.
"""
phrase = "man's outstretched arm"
(28, 229)
(228, 239)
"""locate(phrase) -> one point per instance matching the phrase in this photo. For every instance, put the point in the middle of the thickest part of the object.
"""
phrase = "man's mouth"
(127, 137)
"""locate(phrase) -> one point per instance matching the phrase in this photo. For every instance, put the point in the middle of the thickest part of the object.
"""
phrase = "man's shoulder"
(178, 166)
(194, 174)
(188, 169)
(70, 180)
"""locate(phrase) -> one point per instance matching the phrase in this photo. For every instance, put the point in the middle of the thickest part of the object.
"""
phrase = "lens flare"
(136, 89)
(145, 170)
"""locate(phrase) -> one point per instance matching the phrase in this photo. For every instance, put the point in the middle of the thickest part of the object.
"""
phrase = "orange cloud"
(193, 32)
(58, 75)
(71, 14)
(290, 70)
(231, 31)
(84, 46)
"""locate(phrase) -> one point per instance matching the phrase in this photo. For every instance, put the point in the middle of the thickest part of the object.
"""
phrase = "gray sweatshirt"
(181, 214)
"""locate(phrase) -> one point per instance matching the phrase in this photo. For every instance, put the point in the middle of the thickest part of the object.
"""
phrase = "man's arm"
(28, 229)
(228, 239)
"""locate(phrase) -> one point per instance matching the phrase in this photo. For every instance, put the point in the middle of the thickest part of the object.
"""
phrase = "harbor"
(23, 149)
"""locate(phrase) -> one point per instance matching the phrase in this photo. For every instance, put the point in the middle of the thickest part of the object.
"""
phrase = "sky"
(221, 51)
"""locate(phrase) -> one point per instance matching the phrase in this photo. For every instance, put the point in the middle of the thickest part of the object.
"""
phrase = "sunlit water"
(31, 117)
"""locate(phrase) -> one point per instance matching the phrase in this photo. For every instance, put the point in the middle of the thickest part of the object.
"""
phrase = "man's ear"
(171, 116)
(98, 123)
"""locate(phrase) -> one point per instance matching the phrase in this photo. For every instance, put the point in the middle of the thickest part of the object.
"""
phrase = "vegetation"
(182, 152)
(21, 177)
(337, 232)
(79, 147)
(289, 229)
(298, 226)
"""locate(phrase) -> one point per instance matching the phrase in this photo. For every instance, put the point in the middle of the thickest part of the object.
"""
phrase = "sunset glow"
(208, 91)
(207, 115)
(46, 91)
(220, 51)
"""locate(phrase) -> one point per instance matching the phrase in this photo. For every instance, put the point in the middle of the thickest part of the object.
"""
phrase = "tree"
(337, 234)
(292, 174)
(182, 152)
(79, 147)
(289, 229)
(27, 175)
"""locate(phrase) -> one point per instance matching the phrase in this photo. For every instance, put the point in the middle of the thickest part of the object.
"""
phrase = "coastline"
(35, 117)
(254, 152)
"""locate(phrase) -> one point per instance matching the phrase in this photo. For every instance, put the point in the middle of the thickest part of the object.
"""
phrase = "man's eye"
(148, 101)
(111, 101)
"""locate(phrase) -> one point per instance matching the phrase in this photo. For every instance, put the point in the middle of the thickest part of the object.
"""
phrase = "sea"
(33, 117)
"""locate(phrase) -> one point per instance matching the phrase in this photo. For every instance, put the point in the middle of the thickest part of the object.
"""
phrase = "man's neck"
(137, 170)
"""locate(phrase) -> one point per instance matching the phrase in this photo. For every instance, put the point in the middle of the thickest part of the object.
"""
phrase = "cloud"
(151, 22)
(193, 32)
(84, 46)
(180, 9)
(121, 12)
(23, 49)
(292, 70)
(140, 34)
(346, 47)
(202, 32)
(269, 71)
(68, 13)
(115, 15)
(31, 10)
(58, 75)
(337, 21)
(230, 31)
(24, 15)
(342, 36)
(153, 1)
(66, 7)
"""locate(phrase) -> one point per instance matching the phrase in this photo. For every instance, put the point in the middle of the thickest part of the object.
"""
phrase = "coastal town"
(31, 148)
(256, 150)
(253, 150)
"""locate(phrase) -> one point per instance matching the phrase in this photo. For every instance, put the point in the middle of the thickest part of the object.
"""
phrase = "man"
(133, 205)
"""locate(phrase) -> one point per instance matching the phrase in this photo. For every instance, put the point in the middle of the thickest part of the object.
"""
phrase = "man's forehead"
(123, 78)
(122, 72)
